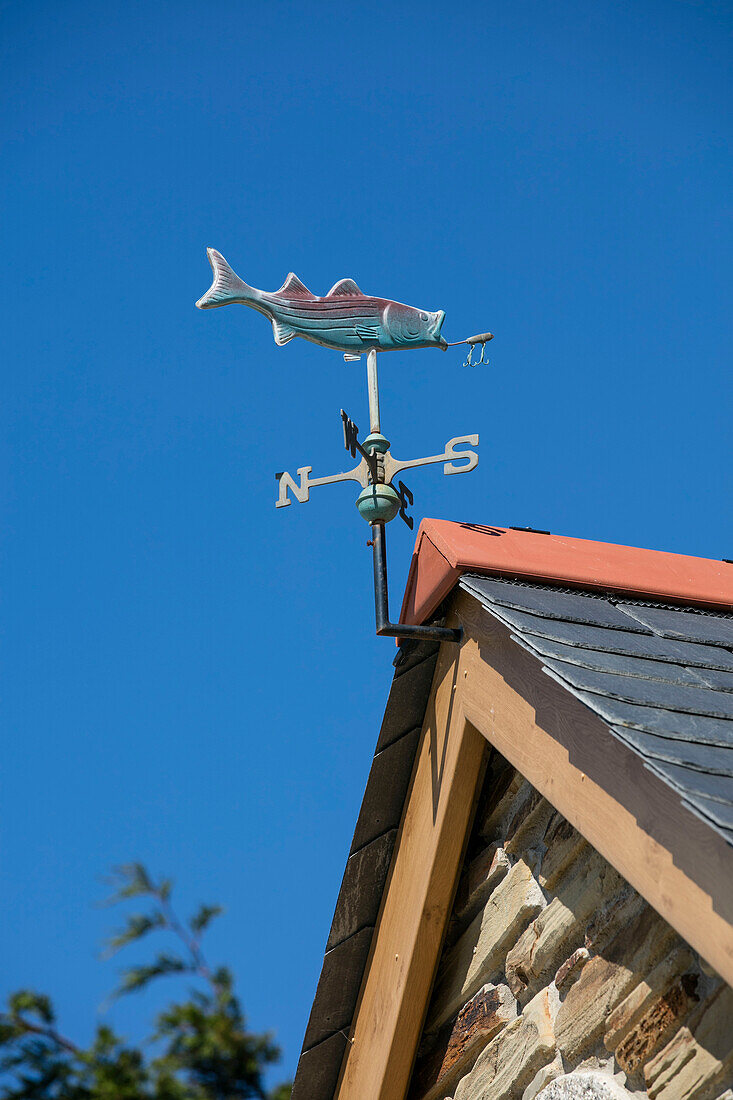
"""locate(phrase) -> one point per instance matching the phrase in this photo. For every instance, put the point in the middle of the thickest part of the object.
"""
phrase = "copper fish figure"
(345, 319)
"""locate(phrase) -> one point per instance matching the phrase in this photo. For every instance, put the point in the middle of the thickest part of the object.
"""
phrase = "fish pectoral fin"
(294, 288)
(345, 287)
(367, 333)
(282, 333)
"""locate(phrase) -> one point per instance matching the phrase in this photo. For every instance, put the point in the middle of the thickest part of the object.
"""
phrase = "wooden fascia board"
(417, 899)
(635, 820)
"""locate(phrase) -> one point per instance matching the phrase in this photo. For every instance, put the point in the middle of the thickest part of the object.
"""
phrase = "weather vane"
(354, 323)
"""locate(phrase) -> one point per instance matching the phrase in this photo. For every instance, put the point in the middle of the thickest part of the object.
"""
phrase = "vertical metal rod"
(385, 628)
(373, 387)
(381, 593)
(379, 543)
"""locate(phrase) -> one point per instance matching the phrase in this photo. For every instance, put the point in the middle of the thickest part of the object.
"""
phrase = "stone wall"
(557, 980)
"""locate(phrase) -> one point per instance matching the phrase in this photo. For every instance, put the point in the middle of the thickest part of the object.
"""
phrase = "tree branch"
(46, 1032)
(190, 942)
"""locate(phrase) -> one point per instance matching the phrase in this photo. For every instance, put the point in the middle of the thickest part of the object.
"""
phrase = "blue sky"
(190, 676)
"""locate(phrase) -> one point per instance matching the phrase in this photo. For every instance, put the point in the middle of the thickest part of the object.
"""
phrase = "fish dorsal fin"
(294, 288)
(345, 287)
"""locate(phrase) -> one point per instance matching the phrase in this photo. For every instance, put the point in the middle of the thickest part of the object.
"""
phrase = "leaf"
(26, 1001)
(138, 925)
(281, 1092)
(130, 880)
(138, 977)
(203, 917)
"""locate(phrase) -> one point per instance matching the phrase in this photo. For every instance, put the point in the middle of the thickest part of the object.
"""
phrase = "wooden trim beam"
(417, 900)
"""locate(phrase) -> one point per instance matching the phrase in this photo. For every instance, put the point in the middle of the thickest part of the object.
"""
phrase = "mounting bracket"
(386, 629)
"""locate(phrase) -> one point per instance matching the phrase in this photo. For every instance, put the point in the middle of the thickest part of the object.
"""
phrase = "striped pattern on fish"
(345, 319)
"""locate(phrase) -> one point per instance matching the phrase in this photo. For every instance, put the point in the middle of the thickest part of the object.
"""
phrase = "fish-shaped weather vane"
(352, 322)
(345, 319)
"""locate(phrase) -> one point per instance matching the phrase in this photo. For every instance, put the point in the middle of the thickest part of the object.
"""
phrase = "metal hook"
(483, 359)
(482, 338)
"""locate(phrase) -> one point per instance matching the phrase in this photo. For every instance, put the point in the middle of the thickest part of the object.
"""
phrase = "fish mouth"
(437, 326)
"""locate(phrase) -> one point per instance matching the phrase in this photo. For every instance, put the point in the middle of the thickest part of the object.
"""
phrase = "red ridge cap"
(444, 550)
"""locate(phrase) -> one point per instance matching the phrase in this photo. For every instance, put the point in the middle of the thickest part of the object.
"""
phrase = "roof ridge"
(444, 550)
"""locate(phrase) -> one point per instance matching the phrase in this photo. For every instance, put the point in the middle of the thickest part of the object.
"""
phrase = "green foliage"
(201, 1049)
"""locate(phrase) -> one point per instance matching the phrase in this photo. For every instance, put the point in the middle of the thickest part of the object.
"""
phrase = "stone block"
(583, 1012)
(543, 1077)
(499, 777)
(507, 1064)
(657, 1024)
(699, 1057)
(605, 981)
(571, 968)
(585, 1086)
(515, 795)
(523, 809)
(563, 844)
(481, 950)
(530, 825)
(444, 1058)
(478, 880)
(546, 943)
(645, 995)
(618, 911)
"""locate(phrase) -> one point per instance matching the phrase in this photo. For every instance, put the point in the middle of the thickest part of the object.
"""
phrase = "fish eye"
(423, 316)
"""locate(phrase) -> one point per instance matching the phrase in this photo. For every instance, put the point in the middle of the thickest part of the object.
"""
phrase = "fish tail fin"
(227, 286)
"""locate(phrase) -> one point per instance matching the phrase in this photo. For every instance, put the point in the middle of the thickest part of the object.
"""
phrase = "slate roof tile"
(691, 754)
(667, 693)
(666, 723)
(722, 812)
(573, 607)
(609, 641)
(721, 680)
(646, 692)
(688, 781)
(691, 626)
(621, 663)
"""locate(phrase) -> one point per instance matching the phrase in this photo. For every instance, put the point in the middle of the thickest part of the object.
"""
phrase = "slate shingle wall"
(366, 871)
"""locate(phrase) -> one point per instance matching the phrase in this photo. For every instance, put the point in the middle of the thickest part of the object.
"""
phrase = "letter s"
(451, 452)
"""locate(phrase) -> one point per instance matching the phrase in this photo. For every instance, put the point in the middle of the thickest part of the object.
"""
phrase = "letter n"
(286, 484)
